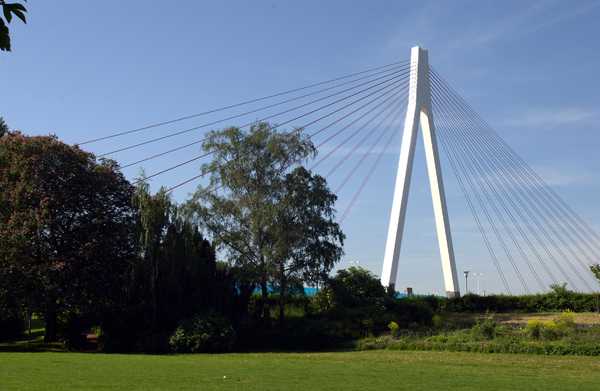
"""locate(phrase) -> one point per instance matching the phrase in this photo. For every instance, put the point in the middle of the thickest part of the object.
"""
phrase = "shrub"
(355, 297)
(558, 299)
(534, 329)
(409, 312)
(554, 329)
(207, 334)
(394, 329)
(566, 320)
(550, 331)
(486, 329)
(437, 321)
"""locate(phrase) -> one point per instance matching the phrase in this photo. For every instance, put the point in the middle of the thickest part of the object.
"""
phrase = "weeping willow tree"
(177, 272)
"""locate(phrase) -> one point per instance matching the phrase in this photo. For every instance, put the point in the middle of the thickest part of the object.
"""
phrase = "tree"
(8, 10)
(306, 239)
(3, 127)
(274, 221)
(354, 287)
(178, 267)
(67, 228)
(176, 277)
(357, 296)
(596, 271)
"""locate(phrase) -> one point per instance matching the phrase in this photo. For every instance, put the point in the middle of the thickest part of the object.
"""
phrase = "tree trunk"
(282, 293)
(50, 318)
(264, 310)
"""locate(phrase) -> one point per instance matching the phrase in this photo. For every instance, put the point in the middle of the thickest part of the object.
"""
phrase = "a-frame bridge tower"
(419, 112)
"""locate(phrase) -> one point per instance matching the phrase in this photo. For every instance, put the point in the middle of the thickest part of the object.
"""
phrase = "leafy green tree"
(67, 238)
(356, 296)
(273, 219)
(306, 239)
(354, 287)
(9, 10)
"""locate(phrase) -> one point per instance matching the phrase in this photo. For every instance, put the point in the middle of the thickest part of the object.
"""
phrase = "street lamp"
(466, 281)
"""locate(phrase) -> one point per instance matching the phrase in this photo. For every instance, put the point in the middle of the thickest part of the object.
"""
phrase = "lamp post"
(466, 281)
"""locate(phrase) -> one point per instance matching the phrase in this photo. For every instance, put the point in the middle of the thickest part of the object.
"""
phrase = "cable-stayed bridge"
(532, 236)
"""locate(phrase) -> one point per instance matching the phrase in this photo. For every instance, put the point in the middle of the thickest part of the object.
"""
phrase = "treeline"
(559, 298)
(83, 248)
(86, 250)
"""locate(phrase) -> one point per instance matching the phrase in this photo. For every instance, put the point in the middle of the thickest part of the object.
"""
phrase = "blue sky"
(82, 69)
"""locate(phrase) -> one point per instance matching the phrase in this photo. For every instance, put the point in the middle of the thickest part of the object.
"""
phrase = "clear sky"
(82, 69)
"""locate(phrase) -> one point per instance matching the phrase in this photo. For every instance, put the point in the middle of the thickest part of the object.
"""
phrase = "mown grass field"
(374, 370)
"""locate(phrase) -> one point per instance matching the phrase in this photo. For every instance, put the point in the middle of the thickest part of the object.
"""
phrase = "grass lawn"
(371, 370)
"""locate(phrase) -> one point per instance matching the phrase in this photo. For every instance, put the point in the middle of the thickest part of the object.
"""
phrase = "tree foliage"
(354, 287)
(176, 277)
(66, 227)
(8, 11)
(3, 127)
(178, 265)
(274, 219)
(596, 271)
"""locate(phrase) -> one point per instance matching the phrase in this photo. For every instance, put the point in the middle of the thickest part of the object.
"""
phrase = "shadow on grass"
(32, 342)
(32, 346)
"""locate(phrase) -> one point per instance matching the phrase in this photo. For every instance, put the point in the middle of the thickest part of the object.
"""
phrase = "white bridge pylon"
(419, 111)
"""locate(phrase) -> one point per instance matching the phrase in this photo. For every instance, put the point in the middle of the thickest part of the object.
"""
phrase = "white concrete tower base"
(419, 112)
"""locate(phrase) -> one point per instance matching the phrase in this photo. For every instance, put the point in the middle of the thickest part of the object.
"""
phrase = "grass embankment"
(378, 370)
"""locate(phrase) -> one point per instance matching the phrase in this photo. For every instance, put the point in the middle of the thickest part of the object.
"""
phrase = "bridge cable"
(179, 148)
(465, 138)
(250, 101)
(274, 127)
(480, 169)
(542, 215)
(558, 249)
(367, 177)
(532, 178)
(577, 223)
(355, 133)
(395, 75)
(472, 134)
(357, 165)
(468, 173)
(452, 159)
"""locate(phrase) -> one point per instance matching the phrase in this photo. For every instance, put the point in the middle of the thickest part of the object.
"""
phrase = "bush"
(409, 313)
(534, 329)
(558, 299)
(555, 329)
(203, 334)
(486, 329)
(394, 329)
(566, 321)
(437, 321)
(356, 298)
